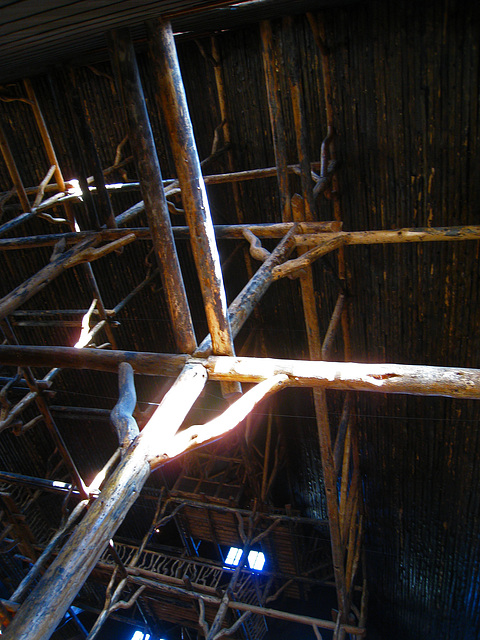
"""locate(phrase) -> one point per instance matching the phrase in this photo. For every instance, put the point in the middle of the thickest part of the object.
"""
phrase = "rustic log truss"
(219, 600)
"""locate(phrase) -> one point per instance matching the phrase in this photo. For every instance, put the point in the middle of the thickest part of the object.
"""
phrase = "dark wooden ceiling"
(405, 80)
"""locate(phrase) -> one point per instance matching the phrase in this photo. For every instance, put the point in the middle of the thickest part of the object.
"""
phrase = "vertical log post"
(88, 152)
(145, 154)
(45, 607)
(222, 103)
(194, 195)
(49, 149)
(276, 118)
(298, 105)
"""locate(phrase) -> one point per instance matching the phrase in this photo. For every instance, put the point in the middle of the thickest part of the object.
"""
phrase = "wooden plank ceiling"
(338, 222)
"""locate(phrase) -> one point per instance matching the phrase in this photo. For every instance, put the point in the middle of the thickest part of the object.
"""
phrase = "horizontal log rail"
(384, 378)
(395, 236)
(243, 606)
(310, 234)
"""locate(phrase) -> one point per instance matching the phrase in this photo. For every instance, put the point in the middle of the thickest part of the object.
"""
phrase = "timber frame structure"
(195, 359)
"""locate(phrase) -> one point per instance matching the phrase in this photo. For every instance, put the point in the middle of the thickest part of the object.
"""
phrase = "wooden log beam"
(40, 614)
(13, 171)
(306, 259)
(333, 326)
(270, 66)
(145, 154)
(39, 280)
(241, 606)
(423, 380)
(309, 234)
(194, 196)
(78, 254)
(122, 413)
(222, 231)
(396, 236)
(299, 117)
(47, 143)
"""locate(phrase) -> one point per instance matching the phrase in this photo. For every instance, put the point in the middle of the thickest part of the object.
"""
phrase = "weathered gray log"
(145, 154)
(38, 617)
(305, 237)
(122, 413)
(421, 380)
(52, 486)
(146, 363)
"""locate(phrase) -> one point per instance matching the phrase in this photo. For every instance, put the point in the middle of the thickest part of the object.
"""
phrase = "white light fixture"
(256, 559)
(139, 635)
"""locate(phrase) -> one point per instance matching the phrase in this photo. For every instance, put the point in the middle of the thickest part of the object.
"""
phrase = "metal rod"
(144, 151)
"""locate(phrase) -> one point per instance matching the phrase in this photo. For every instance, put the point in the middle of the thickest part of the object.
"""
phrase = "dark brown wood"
(194, 196)
(38, 617)
(13, 171)
(94, 359)
(47, 143)
(333, 326)
(225, 232)
(270, 66)
(42, 405)
(79, 254)
(88, 152)
(144, 151)
(292, 60)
